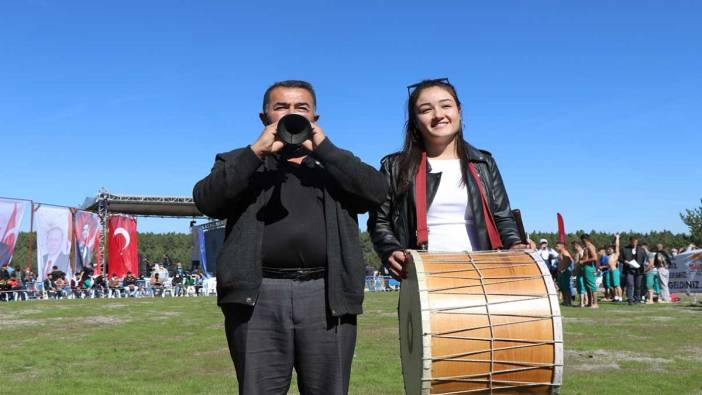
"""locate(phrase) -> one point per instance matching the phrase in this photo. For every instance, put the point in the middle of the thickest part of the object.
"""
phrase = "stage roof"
(145, 206)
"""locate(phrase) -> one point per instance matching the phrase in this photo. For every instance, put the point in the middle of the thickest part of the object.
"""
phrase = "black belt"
(298, 274)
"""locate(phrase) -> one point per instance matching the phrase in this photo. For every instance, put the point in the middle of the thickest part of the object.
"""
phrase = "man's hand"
(396, 265)
(316, 137)
(520, 246)
(268, 142)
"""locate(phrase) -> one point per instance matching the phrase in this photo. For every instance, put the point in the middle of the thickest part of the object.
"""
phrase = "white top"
(449, 218)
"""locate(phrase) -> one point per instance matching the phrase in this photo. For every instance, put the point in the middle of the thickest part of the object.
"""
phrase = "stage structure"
(106, 203)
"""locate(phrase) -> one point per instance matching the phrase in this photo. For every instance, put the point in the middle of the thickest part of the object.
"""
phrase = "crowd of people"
(89, 284)
(634, 273)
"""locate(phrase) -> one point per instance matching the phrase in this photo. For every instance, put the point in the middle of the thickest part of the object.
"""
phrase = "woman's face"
(438, 115)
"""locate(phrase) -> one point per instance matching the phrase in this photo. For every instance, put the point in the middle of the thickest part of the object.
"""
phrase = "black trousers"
(290, 327)
(633, 286)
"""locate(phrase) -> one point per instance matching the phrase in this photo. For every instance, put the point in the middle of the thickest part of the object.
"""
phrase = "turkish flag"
(122, 246)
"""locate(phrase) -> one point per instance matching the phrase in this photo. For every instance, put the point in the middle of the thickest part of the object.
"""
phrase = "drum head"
(411, 331)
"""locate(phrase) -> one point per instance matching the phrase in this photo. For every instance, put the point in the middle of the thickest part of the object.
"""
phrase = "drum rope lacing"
(493, 383)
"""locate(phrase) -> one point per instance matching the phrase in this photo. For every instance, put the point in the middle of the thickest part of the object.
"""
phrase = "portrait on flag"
(11, 215)
(122, 247)
(53, 226)
(87, 230)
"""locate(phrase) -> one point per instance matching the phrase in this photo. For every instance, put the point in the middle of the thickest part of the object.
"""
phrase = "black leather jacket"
(393, 225)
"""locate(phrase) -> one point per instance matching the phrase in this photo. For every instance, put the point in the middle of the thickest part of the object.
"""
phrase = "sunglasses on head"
(411, 88)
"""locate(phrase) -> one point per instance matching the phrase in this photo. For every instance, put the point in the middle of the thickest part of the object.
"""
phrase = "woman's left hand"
(519, 246)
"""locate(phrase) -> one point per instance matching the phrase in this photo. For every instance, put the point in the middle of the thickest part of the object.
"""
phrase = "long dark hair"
(414, 145)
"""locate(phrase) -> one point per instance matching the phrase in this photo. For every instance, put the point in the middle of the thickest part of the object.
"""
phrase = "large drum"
(480, 322)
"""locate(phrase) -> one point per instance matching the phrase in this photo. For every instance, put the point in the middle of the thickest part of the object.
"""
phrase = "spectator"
(115, 285)
(60, 287)
(579, 273)
(565, 261)
(549, 256)
(650, 273)
(633, 258)
(614, 275)
(156, 284)
(603, 268)
(662, 261)
(178, 282)
(4, 272)
(589, 262)
(130, 284)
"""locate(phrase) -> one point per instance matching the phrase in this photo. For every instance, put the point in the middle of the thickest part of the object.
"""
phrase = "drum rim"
(426, 322)
(556, 320)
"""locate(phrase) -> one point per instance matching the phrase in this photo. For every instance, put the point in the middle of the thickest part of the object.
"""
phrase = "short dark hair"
(585, 236)
(289, 84)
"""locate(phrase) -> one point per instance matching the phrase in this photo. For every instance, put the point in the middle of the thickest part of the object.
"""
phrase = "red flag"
(562, 238)
(122, 247)
(10, 235)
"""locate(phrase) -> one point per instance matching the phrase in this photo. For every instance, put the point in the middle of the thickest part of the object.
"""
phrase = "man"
(579, 273)
(589, 263)
(565, 261)
(549, 256)
(614, 276)
(633, 259)
(130, 284)
(54, 255)
(291, 270)
(603, 268)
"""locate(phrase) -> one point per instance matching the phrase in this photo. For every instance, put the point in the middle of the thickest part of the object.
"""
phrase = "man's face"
(544, 246)
(283, 101)
(659, 247)
(53, 241)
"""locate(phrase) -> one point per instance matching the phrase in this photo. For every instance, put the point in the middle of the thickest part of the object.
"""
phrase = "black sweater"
(238, 186)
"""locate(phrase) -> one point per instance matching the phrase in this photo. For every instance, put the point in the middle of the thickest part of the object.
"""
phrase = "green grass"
(177, 346)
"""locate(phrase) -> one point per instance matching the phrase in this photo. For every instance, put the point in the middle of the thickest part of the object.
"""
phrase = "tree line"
(154, 246)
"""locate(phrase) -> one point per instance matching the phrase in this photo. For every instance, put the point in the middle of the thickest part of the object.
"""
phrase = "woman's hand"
(396, 265)
(519, 246)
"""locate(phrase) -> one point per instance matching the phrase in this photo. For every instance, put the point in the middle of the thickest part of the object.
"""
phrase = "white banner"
(686, 272)
(11, 215)
(53, 226)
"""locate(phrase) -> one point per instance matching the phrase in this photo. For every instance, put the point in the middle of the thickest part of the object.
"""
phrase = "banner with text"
(686, 272)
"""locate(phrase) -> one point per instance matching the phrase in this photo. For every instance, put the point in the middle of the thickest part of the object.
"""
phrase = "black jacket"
(393, 225)
(240, 184)
(628, 254)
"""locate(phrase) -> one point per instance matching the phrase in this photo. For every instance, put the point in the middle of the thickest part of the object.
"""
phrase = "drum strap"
(420, 192)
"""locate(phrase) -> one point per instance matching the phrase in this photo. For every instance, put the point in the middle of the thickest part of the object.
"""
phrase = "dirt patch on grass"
(603, 360)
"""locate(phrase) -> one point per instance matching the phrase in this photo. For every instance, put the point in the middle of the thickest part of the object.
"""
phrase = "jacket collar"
(474, 154)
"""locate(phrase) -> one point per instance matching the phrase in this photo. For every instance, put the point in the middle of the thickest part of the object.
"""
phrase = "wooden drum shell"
(480, 322)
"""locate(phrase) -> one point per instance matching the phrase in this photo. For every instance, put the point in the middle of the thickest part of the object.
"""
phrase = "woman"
(434, 201)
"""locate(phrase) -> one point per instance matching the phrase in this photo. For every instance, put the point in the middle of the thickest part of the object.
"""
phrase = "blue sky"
(590, 108)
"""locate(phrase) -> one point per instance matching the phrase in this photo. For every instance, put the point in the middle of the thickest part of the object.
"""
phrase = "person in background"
(579, 273)
(550, 257)
(565, 262)
(603, 268)
(662, 261)
(633, 259)
(614, 275)
(649, 274)
(130, 284)
(589, 265)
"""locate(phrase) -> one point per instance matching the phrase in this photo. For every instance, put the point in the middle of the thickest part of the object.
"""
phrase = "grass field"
(177, 346)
